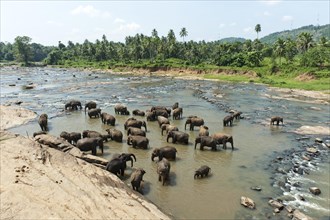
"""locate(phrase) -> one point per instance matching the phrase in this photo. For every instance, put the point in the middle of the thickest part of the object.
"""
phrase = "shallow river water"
(233, 172)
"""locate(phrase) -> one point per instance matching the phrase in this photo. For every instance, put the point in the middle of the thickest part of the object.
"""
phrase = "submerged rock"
(313, 130)
(315, 190)
(298, 215)
(247, 202)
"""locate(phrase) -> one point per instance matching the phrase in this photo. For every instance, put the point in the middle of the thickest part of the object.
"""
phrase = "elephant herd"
(136, 131)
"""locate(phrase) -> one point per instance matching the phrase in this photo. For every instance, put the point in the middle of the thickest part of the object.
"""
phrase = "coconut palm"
(257, 29)
(183, 33)
(305, 41)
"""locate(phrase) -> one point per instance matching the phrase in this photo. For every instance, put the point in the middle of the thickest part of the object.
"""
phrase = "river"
(253, 162)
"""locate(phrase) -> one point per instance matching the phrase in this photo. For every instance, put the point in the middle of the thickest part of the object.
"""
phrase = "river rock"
(312, 150)
(318, 140)
(298, 215)
(256, 188)
(247, 202)
(276, 204)
(315, 190)
(289, 209)
(313, 130)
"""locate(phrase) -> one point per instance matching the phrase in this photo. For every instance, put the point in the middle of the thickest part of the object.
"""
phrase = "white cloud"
(267, 13)
(233, 24)
(129, 27)
(119, 21)
(248, 29)
(58, 24)
(287, 18)
(75, 31)
(271, 2)
(222, 25)
(90, 11)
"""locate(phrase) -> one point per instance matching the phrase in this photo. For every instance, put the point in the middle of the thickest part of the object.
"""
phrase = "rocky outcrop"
(11, 116)
(40, 182)
(313, 130)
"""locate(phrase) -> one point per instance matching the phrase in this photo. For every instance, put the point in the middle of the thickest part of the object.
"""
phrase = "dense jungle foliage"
(291, 54)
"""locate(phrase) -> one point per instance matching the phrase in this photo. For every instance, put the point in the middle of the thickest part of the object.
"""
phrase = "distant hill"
(231, 40)
(317, 31)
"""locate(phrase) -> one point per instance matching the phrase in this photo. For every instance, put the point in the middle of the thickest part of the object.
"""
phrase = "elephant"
(90, 105)
(94, 112)
(168, 110)
(167, 152)
(223, 139)
(151, 116)
(276, 119)
(237, 114)
(117, 164)
(202, 171)
(43, 122)
(108, 119)
(162, 120)
(193, 121)
(228, 120)
(132, 122)
(160, 112)
(203, 131)
(206, 141)
(168, 127)
(137, 178)
(138, 112)
(177, 113)
(121, 109)
(126, 157)
(73, 105)
(115, 135)
(94, 134)
(163, 170)
(136, 131)
(178, 136)
(90, 144)
(71, 137)
(138, 141)
(175, 105)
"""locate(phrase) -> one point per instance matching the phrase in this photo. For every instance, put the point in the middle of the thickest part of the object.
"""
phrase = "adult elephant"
(168, 110)
(168, 152)
(178, 136)
(90, 144)
(206, 141)
(138, 142)
(203, 131)
(43, 122)
(94, 112)
(237, 114)
(202, 171)
(138, 112)
(136, 131)
(108, 119)
(177, 113)
(228, 120)
(222, 138)
(151, 116)
(94, 134)
(115, 135)
(71, 137)
(193, 121)
(90, 105)
(162, 120)
(73, 105)
(163, 170)
(276, 119)
(168, 128)
(160, 112)
(117, 164)
(132, 122)
(121, 109)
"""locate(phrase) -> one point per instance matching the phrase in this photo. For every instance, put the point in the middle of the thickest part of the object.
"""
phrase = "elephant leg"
(94, 150)
(159, 178)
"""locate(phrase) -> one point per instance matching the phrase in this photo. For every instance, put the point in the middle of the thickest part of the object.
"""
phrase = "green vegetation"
(301, 62)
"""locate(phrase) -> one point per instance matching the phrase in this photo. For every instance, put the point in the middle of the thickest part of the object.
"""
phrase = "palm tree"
(305, 41)
(279, 48)
(257, 29)
(183, 33)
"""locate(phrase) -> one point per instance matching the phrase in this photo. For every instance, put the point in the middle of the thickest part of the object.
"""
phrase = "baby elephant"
(202, 171)
(276, 119)
(136, 178)
(43, 122)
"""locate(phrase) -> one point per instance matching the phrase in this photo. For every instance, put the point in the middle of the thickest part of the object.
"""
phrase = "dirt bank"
(38, 182)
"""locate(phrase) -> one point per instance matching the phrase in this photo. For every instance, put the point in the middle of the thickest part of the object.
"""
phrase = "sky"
(48, 22)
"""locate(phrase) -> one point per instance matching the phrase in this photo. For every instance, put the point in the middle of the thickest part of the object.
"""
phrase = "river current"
(253, 162)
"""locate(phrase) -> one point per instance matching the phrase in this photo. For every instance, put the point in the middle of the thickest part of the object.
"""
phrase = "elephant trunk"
(132, 155)
(152, 157)
(168, 136)
(185, 125)
(231, 140)
(129, 141)
(145, 125)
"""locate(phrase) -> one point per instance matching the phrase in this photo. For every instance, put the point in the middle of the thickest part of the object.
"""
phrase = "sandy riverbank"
(38, 182)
